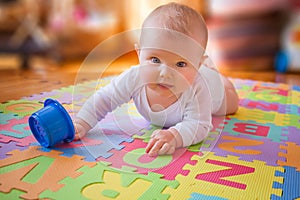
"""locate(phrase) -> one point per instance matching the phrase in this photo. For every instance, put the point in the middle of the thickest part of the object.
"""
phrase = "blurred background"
(244, 34)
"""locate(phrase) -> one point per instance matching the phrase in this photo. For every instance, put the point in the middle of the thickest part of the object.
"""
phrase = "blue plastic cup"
(52, 124)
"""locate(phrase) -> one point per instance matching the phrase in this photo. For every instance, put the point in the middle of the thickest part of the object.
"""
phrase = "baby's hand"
(81, 128)
(163, 142)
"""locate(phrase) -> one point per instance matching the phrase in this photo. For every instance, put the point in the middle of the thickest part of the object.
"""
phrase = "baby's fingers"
(166, 149)
(150, 145)
(153, 151)
(78, 136)
(79, 132)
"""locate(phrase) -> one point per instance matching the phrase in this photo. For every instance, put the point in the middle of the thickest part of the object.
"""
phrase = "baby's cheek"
(190, 77)
(184, 82)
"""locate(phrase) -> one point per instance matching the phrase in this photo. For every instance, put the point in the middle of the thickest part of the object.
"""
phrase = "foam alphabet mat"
(254, 154)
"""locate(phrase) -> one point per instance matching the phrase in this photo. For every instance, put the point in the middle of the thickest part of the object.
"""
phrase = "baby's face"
(165, 72)
(169, 60)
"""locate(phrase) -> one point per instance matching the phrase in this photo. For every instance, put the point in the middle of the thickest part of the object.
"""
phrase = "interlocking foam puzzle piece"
(147, 132)
(90, 87)
(58, 93)
(295, 97)
(296, 87)
(247, 148)
(103, 182)
(282, 123)
(292, 120)
(260, 116)
(74, 148)
(7, 147)
(95, 145)
(73, 97)
(293, 134)
(291, 185)
(210, 141)
(227, 177)
(4, 118)
(243, 82)
(242, 88)
(242, 93)
(20, 107)
(197, 196)
(45, 95)
(256, 115)
(72, 109)
(16, 127)
(207, 144)
(292, 109)
(266, 106)
(133, 156)
(218, 122)
(255, 130)
(23, 142)
(72, 103)
(292, 155)
(13, 194)
(269, 94)
(33, 171)
(272, 88)
(274, 85)
(70, 94)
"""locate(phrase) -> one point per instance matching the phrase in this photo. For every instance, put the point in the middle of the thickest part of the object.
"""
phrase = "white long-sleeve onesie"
(190, 115)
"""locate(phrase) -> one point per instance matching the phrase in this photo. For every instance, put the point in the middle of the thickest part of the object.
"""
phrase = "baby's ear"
(203, 59)
(137, 49)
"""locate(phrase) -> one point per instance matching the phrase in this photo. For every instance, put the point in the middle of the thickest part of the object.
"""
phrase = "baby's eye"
(155, 60)
(181, 64)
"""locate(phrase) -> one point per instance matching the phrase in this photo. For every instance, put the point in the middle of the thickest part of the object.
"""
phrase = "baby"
(173, 86)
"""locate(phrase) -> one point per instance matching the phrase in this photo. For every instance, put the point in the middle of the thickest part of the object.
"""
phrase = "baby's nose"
(165, 71)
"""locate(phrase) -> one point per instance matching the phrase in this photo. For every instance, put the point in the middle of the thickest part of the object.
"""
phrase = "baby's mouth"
(165, 86)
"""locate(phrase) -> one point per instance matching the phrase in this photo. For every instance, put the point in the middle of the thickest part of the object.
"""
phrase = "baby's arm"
(164, 142)
(105, 100)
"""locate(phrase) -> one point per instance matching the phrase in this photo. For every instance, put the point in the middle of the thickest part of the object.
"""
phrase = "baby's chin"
(166, 90)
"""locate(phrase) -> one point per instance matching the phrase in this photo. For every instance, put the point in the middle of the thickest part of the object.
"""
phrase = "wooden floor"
(46, 75)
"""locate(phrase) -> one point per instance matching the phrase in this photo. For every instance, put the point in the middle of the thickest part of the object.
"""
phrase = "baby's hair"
(177, 17)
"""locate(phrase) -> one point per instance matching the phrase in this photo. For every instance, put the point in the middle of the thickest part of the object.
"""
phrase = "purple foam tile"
(293, 134)
(267, 151)
(282, 108)
(8, 147)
